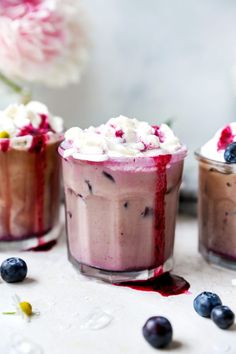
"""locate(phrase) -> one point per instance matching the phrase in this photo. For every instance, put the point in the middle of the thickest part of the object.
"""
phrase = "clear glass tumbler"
(217, 211)
(29, 194)
(121, 215)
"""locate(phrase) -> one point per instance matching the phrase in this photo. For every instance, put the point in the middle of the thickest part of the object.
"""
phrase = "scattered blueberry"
(230, 153)
(205, 302)
(13, 270)
(222, 316)
(158, 331)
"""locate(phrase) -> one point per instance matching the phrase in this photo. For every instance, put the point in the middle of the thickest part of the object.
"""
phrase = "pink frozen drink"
(30, 178)
(121, 185)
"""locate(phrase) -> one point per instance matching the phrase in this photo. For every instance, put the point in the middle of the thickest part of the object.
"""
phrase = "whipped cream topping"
(214, 149)
(120, 137)
(20, 123)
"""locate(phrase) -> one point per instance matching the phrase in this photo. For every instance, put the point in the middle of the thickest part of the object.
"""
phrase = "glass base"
(33, 242)
(217, 259)
(121, 276)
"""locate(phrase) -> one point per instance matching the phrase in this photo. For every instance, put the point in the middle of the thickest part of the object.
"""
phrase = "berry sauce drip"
(161, 162)
(226, 138)
(4, 145)
(167, 285)
(38, 148)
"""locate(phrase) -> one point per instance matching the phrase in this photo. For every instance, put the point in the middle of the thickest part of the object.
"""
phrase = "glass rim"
(222, 165)
(56, 139)
(148, 161)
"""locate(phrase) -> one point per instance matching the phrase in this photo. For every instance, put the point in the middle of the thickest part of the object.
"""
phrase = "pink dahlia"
(42, 40)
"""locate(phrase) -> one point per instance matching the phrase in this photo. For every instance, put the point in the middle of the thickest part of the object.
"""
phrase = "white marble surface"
(65, 299)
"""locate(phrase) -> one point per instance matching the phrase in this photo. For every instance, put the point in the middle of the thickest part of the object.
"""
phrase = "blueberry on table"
(222, 316)
(230, 153)
(205, 302)
(13, 270)
(158, 331)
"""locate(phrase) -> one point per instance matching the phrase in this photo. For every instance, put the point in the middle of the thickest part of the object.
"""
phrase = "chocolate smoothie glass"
(30, 178)
(121, 188)
(217, 198)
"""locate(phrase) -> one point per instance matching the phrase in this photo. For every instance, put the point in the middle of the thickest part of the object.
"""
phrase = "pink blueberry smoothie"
(29, 173)
(217, 197)
(121, 184)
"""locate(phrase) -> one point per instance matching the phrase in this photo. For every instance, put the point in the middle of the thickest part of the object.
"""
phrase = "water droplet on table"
(21, 345)
(221, 347)
(234, 282)
(97, 319)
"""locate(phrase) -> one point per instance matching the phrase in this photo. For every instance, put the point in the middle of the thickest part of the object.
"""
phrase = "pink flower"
(17, 8)
(42, 40)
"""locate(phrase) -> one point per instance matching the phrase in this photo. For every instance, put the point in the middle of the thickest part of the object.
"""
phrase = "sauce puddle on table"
(44, 248)
(166, 285)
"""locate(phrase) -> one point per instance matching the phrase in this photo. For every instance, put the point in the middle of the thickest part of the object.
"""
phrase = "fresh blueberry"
(222, 316)
(230, 153)
(158, 331)
(13, 270)
(205, 302)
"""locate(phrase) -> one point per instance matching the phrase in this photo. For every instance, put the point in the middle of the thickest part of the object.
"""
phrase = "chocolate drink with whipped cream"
(30, 176)
(217, 198)
(121, 209)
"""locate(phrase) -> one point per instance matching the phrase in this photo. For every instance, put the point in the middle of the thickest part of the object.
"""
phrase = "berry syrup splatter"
(44, 247)
(167, 285)
(226, 138)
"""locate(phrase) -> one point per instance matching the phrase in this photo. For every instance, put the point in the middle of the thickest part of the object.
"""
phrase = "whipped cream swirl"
(20, 123)
(120, 137)
(214, 149)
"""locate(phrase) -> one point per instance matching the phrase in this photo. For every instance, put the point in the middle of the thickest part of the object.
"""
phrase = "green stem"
(8, 313)
(25, 94)
(169, 122)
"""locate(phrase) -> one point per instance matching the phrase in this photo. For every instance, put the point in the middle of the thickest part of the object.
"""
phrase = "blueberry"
(13, 270)
(158, 331)
(230, 153)
(222, 316)
(205, 302)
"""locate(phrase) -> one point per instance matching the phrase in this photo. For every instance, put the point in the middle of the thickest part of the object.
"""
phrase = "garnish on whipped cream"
(120, 137)
(215, 148)
(20, 123)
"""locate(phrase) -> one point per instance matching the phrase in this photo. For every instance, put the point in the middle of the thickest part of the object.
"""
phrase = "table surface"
(79, 315)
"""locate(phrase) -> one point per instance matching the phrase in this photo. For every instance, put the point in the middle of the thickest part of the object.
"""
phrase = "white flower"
(22, 308)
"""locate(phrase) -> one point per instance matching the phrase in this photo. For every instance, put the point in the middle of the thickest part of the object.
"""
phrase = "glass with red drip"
(29, 190)
(121, 214)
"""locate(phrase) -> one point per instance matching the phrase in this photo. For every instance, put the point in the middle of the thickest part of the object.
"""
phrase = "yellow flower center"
(26, 308)
(4, 134)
